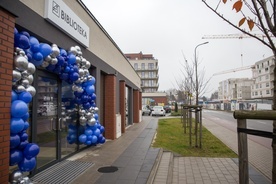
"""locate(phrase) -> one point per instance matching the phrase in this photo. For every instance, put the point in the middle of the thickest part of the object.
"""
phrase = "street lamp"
(196, 72)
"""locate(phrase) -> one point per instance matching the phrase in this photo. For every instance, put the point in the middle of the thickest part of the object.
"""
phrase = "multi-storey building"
(235, 89)
(147, 68)
(262, 87)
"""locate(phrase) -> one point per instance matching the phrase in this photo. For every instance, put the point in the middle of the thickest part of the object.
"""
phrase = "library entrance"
(49, 128)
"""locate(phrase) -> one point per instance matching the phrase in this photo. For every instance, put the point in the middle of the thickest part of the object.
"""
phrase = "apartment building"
(263, 76)
(147, 68)
(235, 89)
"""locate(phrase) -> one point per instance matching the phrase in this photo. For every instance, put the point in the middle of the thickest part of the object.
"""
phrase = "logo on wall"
(56, 9)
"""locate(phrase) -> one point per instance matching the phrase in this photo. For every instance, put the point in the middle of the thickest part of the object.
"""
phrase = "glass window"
(151, 66)
(142, 74)
(267, 91)
(135, 66)
(267, 84)
(266, 77)
(143, 66)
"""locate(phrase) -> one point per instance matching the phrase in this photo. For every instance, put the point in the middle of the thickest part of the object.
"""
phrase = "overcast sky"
(168, 28)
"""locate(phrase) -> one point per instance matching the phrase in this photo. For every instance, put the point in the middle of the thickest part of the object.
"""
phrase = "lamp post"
(196, 72)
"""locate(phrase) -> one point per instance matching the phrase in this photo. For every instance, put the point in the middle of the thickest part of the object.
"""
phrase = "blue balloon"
(25, 96)
(102, 129)
(45, 49)
(102, 141)
(60, 60)
(25, 117)
(96, 116)
(27, 165)
(66, 69)
(23, 136)
(31, 150)
(15, 31)
(33, 41)
(84, 98)
(82, 138)
(88, 143)
(74, 76)
(23, 144)
(51, 67)
(100, 137)
(35, 48)
(16, 125)
(90, 89)
(14, 140)
(77, 94)
(38, 56)
(14, 96)
(21, 41)
(88, 132)
(18, 108)
(64, 76)
(86, 105)
(26, 125)
(93, 97)
(16, 156)
(97, 132)
(63, 52)
(25, 33)
(71, 58)
(94, 139)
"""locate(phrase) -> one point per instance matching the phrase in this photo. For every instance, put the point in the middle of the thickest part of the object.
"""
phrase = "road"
(227, 120)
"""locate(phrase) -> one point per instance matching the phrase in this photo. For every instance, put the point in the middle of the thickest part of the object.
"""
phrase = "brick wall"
(136, 106)
(7, 23)
(123, 105)
(110, 106)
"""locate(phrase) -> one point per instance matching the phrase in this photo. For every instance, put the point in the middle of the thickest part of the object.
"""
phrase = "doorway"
(50, 119)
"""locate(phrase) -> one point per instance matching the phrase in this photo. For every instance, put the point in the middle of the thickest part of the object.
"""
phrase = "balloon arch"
(71, 67)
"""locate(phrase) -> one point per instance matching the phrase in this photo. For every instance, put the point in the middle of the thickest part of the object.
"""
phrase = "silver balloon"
(87, 64)
(83, 61)
(74, 87)
(17, 49)
(79, 53)
(78, 60)
(96, 109)
(63, 113)
(45, 64)
(31, 90)
(48, 58)
(25, 82)
(81, 72)
(16, 176)
(31, 68)
(86, 72)
(21, 53)
(30, 79)
(20, 63)
(88, 115)
(55, 51)
(54, 61)
(16, 75)
(81, 112)
(82, 120)
(24, 74)
(77, 48)
(20, 88)
(80, 90)
(73, 50)
(91, 121)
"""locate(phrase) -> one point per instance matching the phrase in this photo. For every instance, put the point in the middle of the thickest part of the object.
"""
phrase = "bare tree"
(187, 82)
(259, 15)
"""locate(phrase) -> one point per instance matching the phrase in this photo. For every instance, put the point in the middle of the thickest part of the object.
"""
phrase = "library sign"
(59, 14)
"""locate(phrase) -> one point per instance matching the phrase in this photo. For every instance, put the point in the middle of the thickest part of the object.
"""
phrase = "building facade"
(147, 68)
(263, 76)
(235, 89)
(116, 80)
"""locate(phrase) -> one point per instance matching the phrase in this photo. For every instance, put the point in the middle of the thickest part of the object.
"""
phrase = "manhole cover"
(108, 169)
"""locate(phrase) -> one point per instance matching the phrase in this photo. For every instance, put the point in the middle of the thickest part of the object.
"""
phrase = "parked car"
(146, 110)
(158, 111)
(167, 108)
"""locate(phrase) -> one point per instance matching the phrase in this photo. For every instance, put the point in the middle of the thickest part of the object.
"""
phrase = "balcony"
(150, 86)
(150, 77)
(139, 69)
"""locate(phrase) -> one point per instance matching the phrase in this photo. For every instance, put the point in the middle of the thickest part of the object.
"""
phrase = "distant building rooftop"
(139, 56)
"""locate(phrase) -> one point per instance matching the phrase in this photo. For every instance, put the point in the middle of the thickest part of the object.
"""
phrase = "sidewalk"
(130, 159)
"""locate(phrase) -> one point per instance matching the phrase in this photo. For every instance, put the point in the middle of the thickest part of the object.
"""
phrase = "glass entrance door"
(47, 122)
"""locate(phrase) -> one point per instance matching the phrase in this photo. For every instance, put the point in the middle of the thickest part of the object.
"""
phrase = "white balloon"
(31, 79)
(16, 75)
